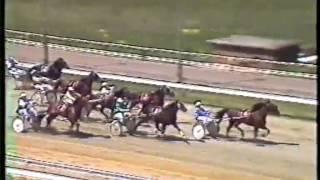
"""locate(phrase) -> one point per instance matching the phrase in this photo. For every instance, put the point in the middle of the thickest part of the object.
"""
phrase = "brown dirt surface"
(199, 75)
(288, 153)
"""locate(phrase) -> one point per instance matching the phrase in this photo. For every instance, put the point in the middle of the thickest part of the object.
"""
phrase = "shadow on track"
(166, 138)
(80, 135)
(257, 142)
(263, 142)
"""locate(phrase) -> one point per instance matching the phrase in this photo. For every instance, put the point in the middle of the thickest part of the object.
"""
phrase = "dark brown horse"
(168, 116)
(154, 99)
(256, 117)
(72, 113)
(53, 72)
(83, 86)
(108, 102)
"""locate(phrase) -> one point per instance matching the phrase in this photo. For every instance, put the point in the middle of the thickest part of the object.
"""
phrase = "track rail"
(63, 169)
(160, 55)
(167, 60)
(233, 92)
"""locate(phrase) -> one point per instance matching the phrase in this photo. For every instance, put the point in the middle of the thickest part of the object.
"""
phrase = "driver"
(23, 109)
(69, 98)
(121, 108)
(106, 89)
(201, 114)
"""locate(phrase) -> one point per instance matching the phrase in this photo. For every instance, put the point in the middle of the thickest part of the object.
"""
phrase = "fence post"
(45, 48)
(180, 71)
(44, 28)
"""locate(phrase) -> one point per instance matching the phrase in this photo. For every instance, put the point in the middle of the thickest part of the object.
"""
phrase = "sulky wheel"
(130, 125)
(116, 128)
(18, 125)
(84, 113)
(213, 129)
(198, 131)
(37, 98)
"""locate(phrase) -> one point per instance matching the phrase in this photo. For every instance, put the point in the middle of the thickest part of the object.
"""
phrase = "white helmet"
(70, 88)
(23, 95)
(197, 103)
(104, 84)
(120, 100)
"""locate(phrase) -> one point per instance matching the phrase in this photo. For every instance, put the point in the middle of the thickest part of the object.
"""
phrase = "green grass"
(293, 110)
(159, 23)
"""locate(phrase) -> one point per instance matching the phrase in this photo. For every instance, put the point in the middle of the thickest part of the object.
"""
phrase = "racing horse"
(154, 100)
(72, 113)
(83, 86)
(108, 102)
(255, 118)
(53, 72)
(168, 116)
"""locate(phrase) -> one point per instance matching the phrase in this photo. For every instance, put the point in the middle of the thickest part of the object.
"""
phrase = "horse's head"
(94, 76)
(272, 108)
(167, 91)
(176, 105)
(60, 63)
(181, 106)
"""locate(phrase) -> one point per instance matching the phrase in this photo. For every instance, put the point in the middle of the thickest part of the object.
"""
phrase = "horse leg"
(268, 131)
(180, 131)
(229, 127)
(77, 126)
(102, 112)
(256, 130)
(241, 131)
(71, 126)
(49, 119)
(157, 129)
(140, 122)
(163, 129)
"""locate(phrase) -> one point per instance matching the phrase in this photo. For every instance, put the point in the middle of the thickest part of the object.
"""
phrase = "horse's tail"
(220, 113)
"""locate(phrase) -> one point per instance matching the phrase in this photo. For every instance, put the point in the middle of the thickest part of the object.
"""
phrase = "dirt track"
(288, 153)
(204, 76)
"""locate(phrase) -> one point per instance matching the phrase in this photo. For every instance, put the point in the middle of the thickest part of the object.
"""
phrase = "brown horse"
(154, 99)
(72, 113)
(108, 102)
(105, 102)
(256, 117)
(168, 116)
(53, 72)
(83, 86)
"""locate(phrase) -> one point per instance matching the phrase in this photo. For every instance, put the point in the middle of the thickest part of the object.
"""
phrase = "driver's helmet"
(197, 103)
(23, 95)
(120, 100)
(70, 88)
(104, 84)
(12, 60)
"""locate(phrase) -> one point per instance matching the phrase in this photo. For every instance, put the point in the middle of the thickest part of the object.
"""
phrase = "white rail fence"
(234, 92)
(166, 60)
(148, 51)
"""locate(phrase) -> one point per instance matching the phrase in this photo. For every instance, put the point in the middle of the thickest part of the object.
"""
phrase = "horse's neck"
(54, 72)
(262, 112)
(87, 82)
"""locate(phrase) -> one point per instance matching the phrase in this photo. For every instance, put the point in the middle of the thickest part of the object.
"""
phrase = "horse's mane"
(86, 78)
(257, 106)
(170, 105)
